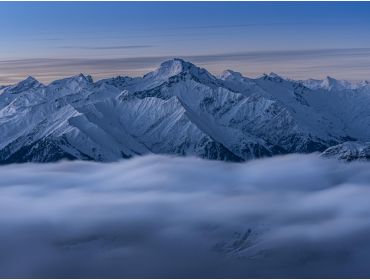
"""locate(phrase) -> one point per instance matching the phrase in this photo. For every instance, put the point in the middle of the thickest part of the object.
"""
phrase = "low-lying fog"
(157, 216)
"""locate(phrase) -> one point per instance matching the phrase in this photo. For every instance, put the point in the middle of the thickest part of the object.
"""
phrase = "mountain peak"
(27, 84)
(79, 79)
(272, 77)
(230, 74)
(330, 83)
(86, 78)
(30, 79)
(71, 84)
(174, 67)
(329, 79)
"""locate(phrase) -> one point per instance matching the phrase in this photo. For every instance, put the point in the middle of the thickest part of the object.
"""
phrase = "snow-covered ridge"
(330, 83)
(349, 151)
(179, 109)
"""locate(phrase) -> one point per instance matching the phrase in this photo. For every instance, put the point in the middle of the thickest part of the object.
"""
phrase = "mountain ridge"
(179, 109)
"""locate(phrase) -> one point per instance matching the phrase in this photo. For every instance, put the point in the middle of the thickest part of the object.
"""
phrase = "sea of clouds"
(157, 216)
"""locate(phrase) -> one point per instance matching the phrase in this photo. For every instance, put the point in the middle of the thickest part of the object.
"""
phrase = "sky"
(50, 40)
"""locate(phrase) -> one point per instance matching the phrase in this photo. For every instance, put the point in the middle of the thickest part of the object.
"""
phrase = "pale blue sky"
(298, 39)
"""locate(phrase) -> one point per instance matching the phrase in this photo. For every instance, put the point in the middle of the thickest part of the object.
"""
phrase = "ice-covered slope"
(178, 109)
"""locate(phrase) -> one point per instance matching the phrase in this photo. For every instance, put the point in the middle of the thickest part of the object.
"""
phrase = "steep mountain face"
(178, 109)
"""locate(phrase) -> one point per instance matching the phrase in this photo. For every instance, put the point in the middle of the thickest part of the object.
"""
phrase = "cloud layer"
(157, 216)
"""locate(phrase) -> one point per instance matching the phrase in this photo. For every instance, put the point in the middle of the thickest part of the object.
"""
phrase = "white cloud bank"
(156, 216)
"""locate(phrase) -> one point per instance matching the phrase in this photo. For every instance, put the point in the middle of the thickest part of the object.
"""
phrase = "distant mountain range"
(181, 109)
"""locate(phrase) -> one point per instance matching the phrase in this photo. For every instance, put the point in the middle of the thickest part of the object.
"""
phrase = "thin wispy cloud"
(121, 47)
(252, 24)
(350, 63)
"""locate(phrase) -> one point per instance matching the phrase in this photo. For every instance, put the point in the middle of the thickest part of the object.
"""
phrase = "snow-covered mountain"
(179, 109)
(349, 151)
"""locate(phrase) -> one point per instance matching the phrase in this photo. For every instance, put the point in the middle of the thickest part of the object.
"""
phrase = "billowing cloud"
(156, 216)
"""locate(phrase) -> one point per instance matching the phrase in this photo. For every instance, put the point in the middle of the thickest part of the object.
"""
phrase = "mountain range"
(182, 109)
